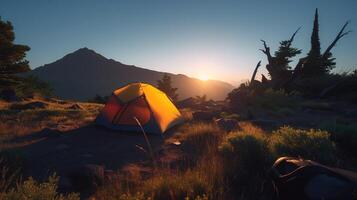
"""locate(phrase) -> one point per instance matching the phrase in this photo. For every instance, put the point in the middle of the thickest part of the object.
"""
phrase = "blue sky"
(218, 39)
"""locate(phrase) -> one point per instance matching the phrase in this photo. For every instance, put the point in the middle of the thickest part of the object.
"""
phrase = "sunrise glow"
(203, 77)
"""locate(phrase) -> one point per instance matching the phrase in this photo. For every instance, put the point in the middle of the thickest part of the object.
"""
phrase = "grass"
(33, 190)
(233, 168)
(17, 122)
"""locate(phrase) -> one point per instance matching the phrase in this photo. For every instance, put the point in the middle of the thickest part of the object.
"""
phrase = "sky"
(204, 39)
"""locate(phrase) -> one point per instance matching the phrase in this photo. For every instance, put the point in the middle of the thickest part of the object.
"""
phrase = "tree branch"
(255, 72)
(293, 36)
(266, 51)
(337, 38)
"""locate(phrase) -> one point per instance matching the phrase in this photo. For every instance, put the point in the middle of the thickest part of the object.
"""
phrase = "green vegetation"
(345, 135)
(308, 144)
(12, 62)
(33, 190)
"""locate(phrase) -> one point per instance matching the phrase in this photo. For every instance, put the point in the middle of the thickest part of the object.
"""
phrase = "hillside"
(84, 73)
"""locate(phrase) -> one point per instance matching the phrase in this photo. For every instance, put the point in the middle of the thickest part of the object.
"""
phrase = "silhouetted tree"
(165, 85)
(313, 64)
(12, 56)
(278, 65)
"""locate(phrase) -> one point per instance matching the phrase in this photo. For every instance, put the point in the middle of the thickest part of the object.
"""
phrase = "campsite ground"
(55, 136)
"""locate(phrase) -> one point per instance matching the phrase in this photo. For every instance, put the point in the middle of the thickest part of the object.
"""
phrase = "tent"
(150, 106)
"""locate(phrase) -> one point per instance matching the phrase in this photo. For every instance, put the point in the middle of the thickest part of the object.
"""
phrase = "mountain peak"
(84, 54)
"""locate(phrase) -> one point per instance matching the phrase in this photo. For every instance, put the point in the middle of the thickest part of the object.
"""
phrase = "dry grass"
(56, 115)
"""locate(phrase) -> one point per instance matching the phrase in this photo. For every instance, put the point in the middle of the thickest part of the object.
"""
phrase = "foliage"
(12, 58)
(165, 85)
(284, 54)
(267, 99)
(189, 184)
(33, 85)
(246, 158)
(201, 138)
(309, 144)
(345, 135)
(33, 190)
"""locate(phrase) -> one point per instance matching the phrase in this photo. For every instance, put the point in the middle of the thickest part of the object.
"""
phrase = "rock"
(203, 116)
(88, 177)
(227, 124)
(9, 95)
(75, 107)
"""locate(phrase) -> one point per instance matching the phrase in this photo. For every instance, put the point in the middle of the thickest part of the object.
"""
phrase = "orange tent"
(152, 107)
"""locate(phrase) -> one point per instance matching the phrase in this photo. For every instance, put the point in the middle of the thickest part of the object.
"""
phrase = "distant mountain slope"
(84, 73)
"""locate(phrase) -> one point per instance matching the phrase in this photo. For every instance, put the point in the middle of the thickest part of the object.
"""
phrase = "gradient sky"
(219, 39)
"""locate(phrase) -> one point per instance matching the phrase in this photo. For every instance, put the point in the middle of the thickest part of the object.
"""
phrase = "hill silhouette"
(84, 73)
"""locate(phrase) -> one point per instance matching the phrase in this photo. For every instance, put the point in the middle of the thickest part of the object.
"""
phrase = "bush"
(345, 135)
(32, 190)
(247, 98)
(246, 158)
(201, 138)
(26, 86)
(311, 144)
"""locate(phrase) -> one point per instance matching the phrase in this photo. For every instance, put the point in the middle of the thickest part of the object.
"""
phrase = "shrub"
(345, 135)
(246, 98)
(33, 190)
(246, 158)
(309, 144)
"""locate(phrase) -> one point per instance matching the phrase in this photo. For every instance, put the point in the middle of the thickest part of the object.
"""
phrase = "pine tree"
(165, 85)
(314, 64)
(12, 56)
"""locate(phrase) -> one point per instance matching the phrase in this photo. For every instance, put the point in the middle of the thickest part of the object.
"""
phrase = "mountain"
(84, 73)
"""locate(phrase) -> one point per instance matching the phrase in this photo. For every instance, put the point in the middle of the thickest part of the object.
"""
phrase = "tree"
(165, 85)
(278, 65)
(313, 64)
(12, 56)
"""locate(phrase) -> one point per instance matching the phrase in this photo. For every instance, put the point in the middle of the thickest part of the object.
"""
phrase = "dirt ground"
(50, 151)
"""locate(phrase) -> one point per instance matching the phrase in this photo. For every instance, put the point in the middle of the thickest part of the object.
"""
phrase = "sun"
(203, 77)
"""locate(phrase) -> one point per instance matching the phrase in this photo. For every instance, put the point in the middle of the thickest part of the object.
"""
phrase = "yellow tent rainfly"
(154, 110)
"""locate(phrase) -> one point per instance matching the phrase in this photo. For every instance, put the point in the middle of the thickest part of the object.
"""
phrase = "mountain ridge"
(85, 73)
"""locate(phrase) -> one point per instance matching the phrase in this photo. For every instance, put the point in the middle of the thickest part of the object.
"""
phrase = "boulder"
(227, 124)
